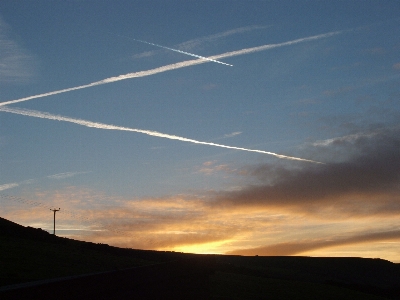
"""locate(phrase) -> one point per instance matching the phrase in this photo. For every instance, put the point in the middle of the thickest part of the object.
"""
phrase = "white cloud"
(212, 38)
(65, 175)
(8, 186)
(232, 134)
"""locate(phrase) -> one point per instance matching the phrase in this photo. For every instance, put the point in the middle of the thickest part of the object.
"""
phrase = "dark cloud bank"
(366, 182)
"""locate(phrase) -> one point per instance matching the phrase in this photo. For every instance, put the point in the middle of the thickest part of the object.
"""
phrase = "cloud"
(175, 66)
(212, 38)
(144, 54)
(211, 167)
(396, 66)
(8, 186)
(343, 140)
(43, 115)
(32, 181)
(227, 136)
(288, 209)
(294, 248)
(65, 175)
(339, 91)
(187, 222)
(375, 51)
(232, 134)
(16, 65)
(367, 182)
(148, 223)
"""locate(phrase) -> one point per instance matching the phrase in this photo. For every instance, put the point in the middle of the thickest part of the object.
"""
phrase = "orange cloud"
(287, 209)
(293, 248)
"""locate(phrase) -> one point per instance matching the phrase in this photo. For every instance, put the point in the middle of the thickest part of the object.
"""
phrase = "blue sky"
(326, 89)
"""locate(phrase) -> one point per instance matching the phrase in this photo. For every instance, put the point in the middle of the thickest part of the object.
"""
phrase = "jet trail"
(174, 66)
(44, 115)
(183, 52)
(271, 46)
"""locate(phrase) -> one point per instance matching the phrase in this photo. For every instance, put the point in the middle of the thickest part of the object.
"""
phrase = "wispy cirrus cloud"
(229, 135)
(16, 65)
(58, 176)
(7, 186)
(194, 43)
(211, 167)
(66, 175)
(344, 139)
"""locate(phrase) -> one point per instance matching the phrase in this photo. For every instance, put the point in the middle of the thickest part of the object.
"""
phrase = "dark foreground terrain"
(37, 265)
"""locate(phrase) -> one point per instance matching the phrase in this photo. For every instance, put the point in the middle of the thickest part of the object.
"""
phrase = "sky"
(231, 127)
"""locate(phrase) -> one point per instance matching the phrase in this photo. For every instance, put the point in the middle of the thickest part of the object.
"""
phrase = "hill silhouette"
(50, 267)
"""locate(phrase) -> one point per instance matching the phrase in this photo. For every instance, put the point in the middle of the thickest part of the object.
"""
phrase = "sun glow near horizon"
(302, 98)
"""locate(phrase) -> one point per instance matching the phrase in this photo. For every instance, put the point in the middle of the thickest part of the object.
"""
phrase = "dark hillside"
(15, 231)
(11, 229)
(28, 254)
(373, 276)
(343, 270)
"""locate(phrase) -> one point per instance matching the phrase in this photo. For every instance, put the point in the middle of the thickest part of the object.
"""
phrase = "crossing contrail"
(174, 66)
(183, 52)
(44, 115)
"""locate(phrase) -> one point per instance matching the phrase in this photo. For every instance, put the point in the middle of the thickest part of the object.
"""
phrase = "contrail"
(271, 46)
(190, 44)
(44, 115)
(183, 52)
(174, 66)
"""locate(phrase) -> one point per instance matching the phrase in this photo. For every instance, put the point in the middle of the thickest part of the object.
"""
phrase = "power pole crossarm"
(54, 210)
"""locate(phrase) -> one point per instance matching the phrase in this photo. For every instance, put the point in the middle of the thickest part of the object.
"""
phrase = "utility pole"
(54, 228)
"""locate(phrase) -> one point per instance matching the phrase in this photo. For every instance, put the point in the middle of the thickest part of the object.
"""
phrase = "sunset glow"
(213, 127)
